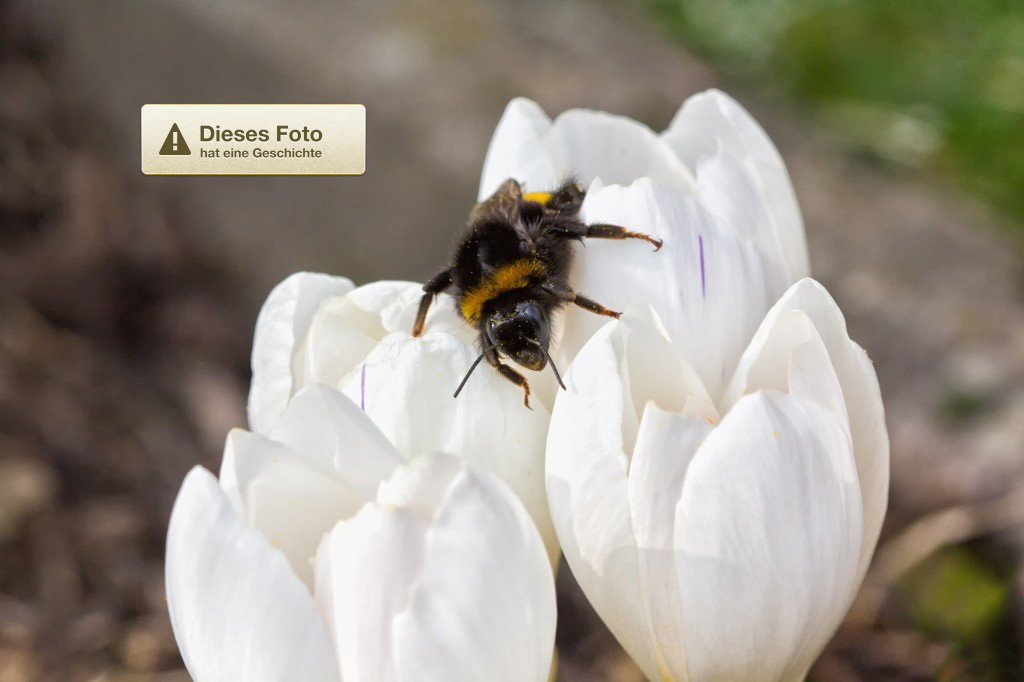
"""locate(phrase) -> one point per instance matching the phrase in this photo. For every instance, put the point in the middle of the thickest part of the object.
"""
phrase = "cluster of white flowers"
(715, 473)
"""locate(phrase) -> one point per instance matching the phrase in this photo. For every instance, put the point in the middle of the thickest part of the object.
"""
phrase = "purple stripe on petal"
(703, 283)
(362, 388)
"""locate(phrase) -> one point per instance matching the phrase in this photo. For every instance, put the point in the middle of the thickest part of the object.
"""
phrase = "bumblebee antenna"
(471, 368)
(550, 361)
(553, 368)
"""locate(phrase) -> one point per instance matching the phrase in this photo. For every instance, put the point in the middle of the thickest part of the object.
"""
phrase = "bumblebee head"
(520, 332)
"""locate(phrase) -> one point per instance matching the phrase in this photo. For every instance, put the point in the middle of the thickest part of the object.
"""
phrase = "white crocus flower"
(320, 556)
(721, 538)
(712, 187)
(318, 329)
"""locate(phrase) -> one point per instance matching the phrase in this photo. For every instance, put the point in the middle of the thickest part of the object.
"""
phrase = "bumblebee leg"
(512, 375)
(517, 379)
(436, 285)
(594, 307)
(569, 296)
(605, 231)
(561, 292)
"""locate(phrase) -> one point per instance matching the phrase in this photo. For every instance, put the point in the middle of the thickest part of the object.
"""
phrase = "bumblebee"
(511, 274)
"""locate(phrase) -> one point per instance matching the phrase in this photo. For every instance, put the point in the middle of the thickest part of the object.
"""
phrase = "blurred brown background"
(127, 302)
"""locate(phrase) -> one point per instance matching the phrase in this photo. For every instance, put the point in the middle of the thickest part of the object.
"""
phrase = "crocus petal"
(484, 606)
(396, 304)
(420, 485)
(729, 190)
(334, 437)
(627, 150)
(290, 503)
(400, 584)
(596, 445)
(359, 342)
(345, 328)
(238, 610)
(339, 337)
(586, 482)
(365, 570)
(763, 366)
(665, 445)
(406, 387)
(707, 284)
(581, 143)
(767, 536)
(323, 459)
(283, 321)
(712, 121)
(790, 357)
(517, 150)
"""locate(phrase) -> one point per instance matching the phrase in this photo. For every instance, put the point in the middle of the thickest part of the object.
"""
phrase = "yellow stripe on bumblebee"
(514, 275)
(541, 198)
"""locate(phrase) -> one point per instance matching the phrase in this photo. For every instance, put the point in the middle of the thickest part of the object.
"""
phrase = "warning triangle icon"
(175, 145)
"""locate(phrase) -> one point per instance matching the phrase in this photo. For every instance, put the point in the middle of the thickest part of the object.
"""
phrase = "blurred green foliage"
(960, 596)
(934, 84)
(959, 406)
(955, 594)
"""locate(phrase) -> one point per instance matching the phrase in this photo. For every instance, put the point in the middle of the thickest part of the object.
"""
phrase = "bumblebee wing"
(505, 203)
